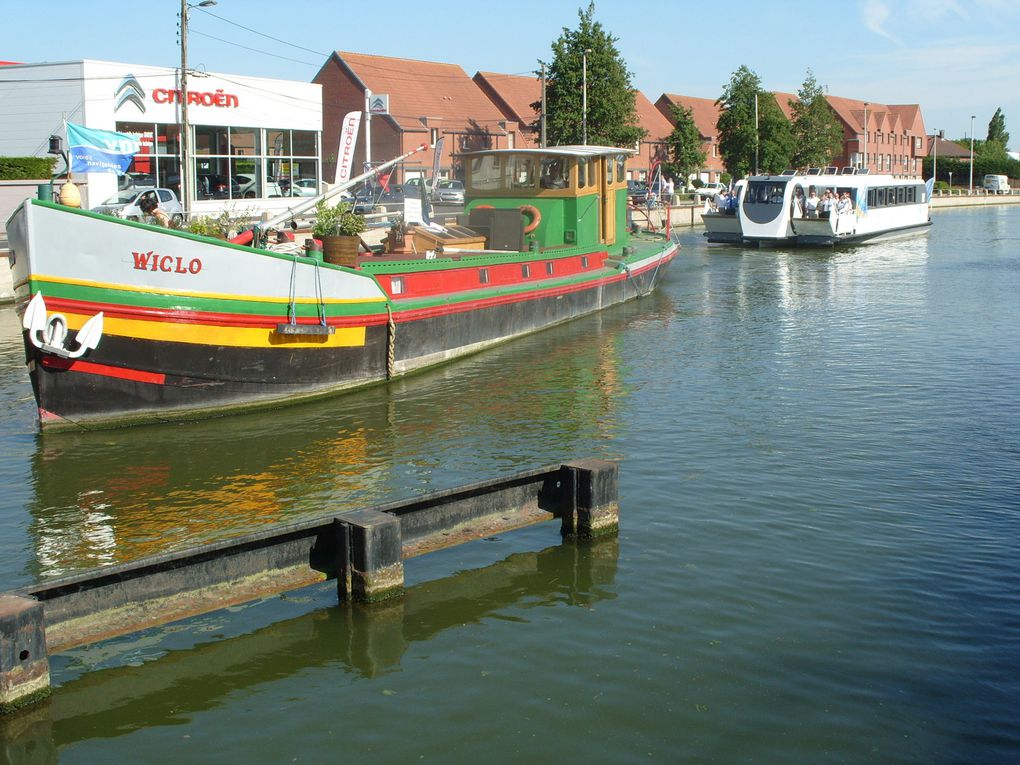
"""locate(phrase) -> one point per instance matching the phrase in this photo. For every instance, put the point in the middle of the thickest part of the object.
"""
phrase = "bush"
(26, 168)
(942, 186)
(697, 183)
(725, 178)
(338, 220)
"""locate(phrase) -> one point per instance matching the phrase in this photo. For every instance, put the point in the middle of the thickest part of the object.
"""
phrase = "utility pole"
(971, 189)
(185, 128)
(756, 132)
(866, 135)
(541, 121)
(368, 130)
(584, 96)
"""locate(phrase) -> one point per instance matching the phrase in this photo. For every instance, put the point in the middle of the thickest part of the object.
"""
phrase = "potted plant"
(339, 229)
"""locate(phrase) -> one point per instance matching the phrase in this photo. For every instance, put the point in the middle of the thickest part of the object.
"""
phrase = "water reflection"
(110, 497)
(364, 642)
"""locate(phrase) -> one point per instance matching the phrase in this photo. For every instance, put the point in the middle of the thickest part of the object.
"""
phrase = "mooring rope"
(391, 336)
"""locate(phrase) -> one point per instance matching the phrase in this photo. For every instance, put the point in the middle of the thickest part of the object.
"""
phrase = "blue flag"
(99, 151)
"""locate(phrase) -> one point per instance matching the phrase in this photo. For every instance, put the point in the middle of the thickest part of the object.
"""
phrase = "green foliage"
(983, 165)
(227, 223)
(336, 220)
(684, 146)
(26, 168)
(997, 129)
(818, 135)
(612, 110)
(736, 127)
(725, 179)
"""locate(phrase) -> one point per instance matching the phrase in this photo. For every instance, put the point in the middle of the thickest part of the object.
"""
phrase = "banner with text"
(99, 151)
(345, 152)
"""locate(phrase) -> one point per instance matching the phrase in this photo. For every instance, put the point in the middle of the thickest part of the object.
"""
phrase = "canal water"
(818, 560)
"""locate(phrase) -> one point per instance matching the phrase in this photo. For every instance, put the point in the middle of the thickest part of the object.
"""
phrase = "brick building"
(705, 113)
(427, 100)
(896, 142)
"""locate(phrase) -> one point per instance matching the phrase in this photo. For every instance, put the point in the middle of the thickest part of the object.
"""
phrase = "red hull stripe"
(414, 314)
(88, 367)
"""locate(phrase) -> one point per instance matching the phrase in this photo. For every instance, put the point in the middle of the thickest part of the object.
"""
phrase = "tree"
(997, 129)
(684, 145)
(612, 109)
(817, 133)
(737, 133)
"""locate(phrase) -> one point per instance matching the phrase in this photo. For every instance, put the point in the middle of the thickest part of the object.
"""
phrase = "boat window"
(880, 198)
(872, 198)
(525, 271)
(582, 172)
(584, 261)
(555, 173)
(621, 167)
(549, 268)
(765, 192)
(523, 173)
(486, 173)
(609, 171)
(901, 195)
(483, 276)
(397, 285)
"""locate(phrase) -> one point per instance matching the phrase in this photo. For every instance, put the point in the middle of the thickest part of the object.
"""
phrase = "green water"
(817, 562)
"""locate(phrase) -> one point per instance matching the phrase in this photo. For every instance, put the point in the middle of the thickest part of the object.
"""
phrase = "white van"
(996, 184)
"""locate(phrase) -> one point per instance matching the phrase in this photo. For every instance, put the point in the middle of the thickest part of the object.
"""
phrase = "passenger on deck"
(798, 203)
(720, 200)
(828, 201)
(811, 203)
(845, 204)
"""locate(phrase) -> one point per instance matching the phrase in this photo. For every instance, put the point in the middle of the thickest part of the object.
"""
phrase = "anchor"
(49, 334)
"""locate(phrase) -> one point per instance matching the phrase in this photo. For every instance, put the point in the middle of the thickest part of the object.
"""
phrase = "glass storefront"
(230, 163)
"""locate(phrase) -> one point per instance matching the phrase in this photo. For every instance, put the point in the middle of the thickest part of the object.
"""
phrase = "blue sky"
(954, 57)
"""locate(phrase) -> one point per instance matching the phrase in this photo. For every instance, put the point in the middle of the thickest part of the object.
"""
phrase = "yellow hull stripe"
(203, 295)
(210, 334)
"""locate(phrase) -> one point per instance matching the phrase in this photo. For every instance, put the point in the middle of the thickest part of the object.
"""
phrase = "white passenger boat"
(788, 209)
(723, 226)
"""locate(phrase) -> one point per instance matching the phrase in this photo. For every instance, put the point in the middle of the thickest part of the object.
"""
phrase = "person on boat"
(845, 204)
(151, 209)
(828, 200)
(811, 203)
(798, 203)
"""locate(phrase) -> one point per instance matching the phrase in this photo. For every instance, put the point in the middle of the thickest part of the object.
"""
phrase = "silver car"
(126, 204)
(450, 192)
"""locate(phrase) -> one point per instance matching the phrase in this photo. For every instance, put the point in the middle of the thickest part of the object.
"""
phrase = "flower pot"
(340, 250)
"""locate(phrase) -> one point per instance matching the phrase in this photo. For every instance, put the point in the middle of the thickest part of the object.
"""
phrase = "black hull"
(202, 380)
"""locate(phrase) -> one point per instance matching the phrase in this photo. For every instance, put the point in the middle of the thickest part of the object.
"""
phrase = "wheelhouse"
(571, 195)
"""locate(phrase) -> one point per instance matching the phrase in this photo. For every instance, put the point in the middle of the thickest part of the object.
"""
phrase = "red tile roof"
(651, 119)
(513, 94)
(442, 93)
(947, 149)
(704, 111)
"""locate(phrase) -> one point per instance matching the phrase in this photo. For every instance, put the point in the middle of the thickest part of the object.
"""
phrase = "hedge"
(26, 168)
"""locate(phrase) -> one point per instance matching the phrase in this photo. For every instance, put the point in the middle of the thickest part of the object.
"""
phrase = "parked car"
(709, 190)
(996, 184)
(637, 192)
(212, 186)
(247, 187)
(126, 204)
(449, 192)
(305, 187)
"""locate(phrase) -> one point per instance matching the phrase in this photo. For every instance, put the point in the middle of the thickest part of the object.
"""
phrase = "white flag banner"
(345, 151)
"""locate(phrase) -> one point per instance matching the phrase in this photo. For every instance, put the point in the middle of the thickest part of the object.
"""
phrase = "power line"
(261, 34)
(245, 47)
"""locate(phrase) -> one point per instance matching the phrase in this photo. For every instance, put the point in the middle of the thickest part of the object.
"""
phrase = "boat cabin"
(537, 199)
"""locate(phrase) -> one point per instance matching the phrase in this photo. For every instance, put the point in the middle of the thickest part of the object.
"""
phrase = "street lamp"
(584, 95)
(971, 188)
(185, 173)
(865, 134)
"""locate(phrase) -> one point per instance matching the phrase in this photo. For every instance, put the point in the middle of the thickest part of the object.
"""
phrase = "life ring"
(532, 212)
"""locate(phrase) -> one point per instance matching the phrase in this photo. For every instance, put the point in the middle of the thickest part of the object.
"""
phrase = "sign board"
(379, 103)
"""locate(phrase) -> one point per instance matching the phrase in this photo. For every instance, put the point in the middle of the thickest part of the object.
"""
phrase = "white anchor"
(49, 334)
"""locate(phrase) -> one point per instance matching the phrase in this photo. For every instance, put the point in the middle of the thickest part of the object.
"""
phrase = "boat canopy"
(561, 151)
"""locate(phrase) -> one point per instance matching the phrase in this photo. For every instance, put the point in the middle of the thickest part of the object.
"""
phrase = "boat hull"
(722, 228)
(181, 354)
